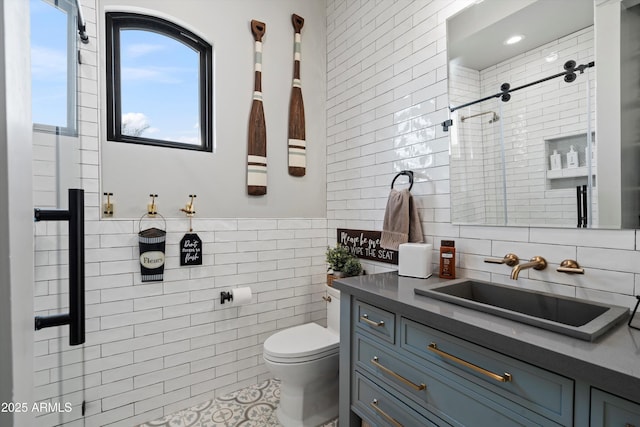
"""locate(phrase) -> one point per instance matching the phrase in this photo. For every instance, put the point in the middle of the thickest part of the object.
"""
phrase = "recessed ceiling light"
(514, 39)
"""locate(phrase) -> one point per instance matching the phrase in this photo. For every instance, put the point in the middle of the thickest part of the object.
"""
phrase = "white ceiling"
(476, 35)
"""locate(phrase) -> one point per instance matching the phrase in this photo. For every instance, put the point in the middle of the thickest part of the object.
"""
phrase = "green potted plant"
(341, 263)
(352, 267)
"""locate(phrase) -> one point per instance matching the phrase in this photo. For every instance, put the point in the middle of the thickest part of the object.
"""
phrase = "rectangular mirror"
(501, 148)
(522, 95)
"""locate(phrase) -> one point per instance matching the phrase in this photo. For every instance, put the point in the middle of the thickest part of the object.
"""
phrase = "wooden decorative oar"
(257, 146)
(297, 143)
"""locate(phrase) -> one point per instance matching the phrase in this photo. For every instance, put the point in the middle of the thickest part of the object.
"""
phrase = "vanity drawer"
(440, 397)
(384, 363)
(375, 320)
(609, 410)
(541, 391)
(380, 408)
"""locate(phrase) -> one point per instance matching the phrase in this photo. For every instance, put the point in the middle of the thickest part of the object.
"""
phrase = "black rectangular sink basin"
(586, 320)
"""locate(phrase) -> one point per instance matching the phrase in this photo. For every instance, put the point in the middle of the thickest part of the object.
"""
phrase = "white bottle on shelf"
(555, 160)
(572, 158)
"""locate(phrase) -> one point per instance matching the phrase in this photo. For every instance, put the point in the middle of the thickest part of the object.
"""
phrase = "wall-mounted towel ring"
(407, 173)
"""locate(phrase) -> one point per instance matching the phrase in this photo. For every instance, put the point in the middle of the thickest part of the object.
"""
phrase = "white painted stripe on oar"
(298, 142)
(257, 57)
(297, 83)
(296, 47)
(297, 158)
(257, 95)
(257, 175)
(252, 158)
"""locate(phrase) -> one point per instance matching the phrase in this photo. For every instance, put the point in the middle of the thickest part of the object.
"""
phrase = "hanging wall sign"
(190, 250)
(152, 244)
(365, 244)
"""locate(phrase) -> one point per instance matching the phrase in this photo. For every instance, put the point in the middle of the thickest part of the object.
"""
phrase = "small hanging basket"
(152, 243)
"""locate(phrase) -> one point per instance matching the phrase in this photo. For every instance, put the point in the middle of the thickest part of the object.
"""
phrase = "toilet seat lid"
(303, 342)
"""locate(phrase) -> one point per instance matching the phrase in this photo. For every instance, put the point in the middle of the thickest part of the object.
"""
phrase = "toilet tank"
(333, 310)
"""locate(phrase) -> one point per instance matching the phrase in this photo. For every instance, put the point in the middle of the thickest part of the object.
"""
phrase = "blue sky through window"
(159, 87)
(48, 64)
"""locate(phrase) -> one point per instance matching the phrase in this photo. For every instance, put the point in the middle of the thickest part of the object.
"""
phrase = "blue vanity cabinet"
(427, 362)
(433, 393)
(524, 385)
(608, 410)
(395, 357)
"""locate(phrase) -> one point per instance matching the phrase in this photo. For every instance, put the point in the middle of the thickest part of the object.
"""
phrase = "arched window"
(159, 83)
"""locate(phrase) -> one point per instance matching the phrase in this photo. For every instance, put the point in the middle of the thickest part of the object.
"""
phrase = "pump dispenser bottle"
(572, 158)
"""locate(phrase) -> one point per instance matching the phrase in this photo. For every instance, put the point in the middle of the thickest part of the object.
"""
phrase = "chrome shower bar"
(75, 318)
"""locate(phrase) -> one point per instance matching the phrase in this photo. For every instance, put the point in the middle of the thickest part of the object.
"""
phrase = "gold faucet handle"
(509, 259)
(570, 266)
(539, 262)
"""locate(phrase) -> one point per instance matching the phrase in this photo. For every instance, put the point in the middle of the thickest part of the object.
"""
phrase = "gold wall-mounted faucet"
(537, 263)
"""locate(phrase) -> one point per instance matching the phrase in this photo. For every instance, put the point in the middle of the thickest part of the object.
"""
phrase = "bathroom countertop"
(611, 363)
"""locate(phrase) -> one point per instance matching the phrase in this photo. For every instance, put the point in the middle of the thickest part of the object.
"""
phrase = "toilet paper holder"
(226, 296)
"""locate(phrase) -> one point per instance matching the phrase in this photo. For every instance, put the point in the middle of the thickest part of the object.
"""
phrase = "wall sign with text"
(365, 244)
(191, 250)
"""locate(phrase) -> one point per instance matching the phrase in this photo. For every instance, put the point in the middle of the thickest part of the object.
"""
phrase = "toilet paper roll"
(241, 296)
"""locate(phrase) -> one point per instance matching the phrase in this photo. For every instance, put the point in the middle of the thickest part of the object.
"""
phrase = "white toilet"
(305, 359)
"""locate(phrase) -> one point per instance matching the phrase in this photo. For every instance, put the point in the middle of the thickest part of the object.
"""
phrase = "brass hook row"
(152, 207)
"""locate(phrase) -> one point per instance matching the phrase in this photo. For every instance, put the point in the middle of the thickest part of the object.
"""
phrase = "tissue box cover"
(414, 260)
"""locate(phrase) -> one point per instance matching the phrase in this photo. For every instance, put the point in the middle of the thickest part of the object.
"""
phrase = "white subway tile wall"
(387, 94)
(155, 348)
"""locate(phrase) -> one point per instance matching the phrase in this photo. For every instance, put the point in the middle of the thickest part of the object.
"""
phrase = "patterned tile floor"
(253, 406)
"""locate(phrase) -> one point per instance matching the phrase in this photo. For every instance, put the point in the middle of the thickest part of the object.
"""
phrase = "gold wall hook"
(108, 206)
(152, 208)
(570, 266)
(189, 209)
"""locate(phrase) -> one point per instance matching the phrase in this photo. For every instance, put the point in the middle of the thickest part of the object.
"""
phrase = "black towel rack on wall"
(75, 318)
(407, 173)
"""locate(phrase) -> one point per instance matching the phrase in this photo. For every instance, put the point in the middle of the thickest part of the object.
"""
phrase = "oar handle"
(258, 29)
(298, 22)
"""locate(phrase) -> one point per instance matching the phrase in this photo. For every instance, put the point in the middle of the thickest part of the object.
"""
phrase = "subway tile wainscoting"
(156, 348)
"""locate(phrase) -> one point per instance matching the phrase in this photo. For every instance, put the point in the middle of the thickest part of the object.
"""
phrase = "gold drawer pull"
(365, 318)
(504, 378)
(388, 417)
(414, 386)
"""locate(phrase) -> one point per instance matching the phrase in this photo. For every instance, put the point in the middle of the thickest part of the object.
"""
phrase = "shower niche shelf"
(568, 173)
(569, 177)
